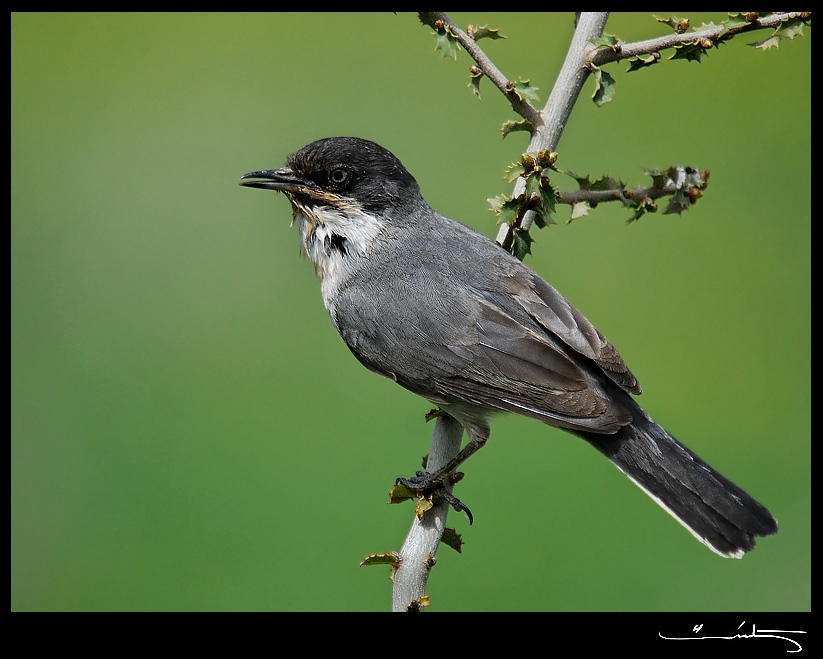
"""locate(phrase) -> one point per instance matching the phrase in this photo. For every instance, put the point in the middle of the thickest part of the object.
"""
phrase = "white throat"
(334, 239)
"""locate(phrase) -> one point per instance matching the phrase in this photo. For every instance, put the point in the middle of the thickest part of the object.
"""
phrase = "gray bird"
(446, 313)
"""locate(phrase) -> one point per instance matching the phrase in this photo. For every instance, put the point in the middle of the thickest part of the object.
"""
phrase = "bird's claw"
(423, 483)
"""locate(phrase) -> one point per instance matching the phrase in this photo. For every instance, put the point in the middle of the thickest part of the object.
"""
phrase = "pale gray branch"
(523, 108)
(417, 555)
(710, 32)
(558, 108)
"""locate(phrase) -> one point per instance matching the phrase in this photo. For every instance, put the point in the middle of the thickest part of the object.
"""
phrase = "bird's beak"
(283, 179)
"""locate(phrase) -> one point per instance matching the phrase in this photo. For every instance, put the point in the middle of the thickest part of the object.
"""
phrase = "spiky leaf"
(583, 182)
(548, 200)
(484, 32)
(427, 18)
(446, 43)
(524, 90)
(512, 126)
(691, 51)
(532, 184)
(606, 42)
(734, 23)
(513, 171)
(605, 183)
(788, 29)
(521, 244)
(641, 62)
(679, 25)
(453, 539)
(507, 209)
(400, 493)
(475, 74)
(604, 87)
(388, 558)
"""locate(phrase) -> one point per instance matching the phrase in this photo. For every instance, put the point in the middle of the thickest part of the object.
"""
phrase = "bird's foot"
(428, 484)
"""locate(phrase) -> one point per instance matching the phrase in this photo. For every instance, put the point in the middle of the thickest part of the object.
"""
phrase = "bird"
(449, 315)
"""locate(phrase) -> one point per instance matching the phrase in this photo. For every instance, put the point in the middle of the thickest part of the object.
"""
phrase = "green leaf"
(603, 87)
(388, 558)
(507, 209)
(605, 183)
(678, 203)
(513, 171)
(691, 51)
(641, 62)
(453, 539)
(446, 43)
(513, 126)
(734, 23)
(788, 29)
(583, 182)
(484, 32)
(400, 493)
(521, 244)
(679, 25)
(524, 90)
(475, 74)
(424, 504)
(641, 208)
(770, 42)
(532, 185)
(606, 42)
(427, 18)
(548, 203)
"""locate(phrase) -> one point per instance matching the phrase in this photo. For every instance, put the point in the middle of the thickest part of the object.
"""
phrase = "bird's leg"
(440, 482)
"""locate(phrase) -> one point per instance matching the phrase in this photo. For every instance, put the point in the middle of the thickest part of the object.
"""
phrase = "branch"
(582, 58)
(707, 35)
(417, 554)
(554, 116)
(506, 87)
(684, 185)
(652, 192)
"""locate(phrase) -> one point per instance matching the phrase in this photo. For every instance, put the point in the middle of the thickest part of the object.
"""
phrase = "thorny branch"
(522, 107)
(710, 35)
(546, 126)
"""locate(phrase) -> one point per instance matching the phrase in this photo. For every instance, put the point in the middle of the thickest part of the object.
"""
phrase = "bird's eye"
(339, 176)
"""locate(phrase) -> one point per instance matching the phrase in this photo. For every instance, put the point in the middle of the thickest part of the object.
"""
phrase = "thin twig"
(652, 192)
(710, 32)
(522, 107)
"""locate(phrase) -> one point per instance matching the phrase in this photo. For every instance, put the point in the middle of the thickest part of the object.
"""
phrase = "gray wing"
(510, 343)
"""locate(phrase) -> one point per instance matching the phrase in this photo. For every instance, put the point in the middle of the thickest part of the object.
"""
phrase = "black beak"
(283, 179)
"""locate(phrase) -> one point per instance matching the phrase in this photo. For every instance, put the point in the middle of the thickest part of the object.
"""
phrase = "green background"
(188, 432)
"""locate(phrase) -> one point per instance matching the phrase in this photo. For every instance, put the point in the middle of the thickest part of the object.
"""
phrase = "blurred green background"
(188, 431)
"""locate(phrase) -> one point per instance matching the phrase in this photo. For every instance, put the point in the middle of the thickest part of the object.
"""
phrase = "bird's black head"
(340, 170)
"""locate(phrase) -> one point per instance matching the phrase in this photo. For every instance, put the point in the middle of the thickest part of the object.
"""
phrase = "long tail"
(715, 510)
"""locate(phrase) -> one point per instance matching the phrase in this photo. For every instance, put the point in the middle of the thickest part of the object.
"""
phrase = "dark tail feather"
(715, 510)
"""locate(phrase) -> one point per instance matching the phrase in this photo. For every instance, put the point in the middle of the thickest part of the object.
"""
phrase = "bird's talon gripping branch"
(427, 484)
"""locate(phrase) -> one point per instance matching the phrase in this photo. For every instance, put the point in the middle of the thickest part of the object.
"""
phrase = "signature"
(755, 633)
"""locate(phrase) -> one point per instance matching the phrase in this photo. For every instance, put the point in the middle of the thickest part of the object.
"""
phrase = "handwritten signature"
(755, 633)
